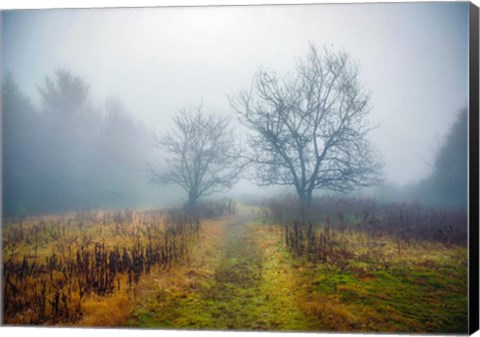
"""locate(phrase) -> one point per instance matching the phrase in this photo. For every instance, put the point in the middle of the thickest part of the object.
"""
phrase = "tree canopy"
(201, 155)
(66, 154)
(308, 129)
(448, 182)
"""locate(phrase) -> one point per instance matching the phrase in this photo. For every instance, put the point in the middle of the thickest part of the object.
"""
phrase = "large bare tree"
(201, 155)
(308, 129)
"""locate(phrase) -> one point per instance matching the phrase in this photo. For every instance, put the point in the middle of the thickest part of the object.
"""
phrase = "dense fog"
(67, 154)
(86, 94)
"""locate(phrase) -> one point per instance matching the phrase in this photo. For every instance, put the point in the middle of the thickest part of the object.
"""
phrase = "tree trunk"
(191, 203)
(305, 200)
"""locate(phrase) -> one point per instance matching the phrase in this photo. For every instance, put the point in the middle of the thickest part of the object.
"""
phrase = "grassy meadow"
(240, 267)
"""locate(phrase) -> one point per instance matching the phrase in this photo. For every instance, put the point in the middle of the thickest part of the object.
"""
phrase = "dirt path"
(236, 289)
(248, 287)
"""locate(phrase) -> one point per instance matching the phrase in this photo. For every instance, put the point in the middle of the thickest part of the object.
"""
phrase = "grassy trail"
(236, 292)
(233, 283)
(237, 273)
(241, 277)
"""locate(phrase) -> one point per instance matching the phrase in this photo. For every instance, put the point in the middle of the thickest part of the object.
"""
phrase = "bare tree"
(308, 129)
(201, 155)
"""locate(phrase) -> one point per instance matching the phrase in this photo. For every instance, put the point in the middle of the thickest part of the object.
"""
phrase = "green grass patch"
(405, 297)
(257, 284)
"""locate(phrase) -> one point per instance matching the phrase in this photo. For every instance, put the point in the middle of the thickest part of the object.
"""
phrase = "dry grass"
(239, 274)
(384, 287)
(106, 311)
(163, 288)
(67, 269)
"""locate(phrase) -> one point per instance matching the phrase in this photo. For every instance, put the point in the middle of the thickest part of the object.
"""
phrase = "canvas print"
(297, 168)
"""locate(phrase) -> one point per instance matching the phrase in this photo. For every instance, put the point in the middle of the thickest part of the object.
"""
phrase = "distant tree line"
(448, 182)
(307, 130)
(66, 153)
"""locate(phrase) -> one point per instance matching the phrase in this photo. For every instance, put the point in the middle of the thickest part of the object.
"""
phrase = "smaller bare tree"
(200, 153)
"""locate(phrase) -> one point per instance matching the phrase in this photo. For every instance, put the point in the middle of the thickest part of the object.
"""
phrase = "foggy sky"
(413, 58)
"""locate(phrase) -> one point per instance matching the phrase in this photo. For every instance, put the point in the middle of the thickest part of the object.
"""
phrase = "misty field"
(268, 168)
(241, 267)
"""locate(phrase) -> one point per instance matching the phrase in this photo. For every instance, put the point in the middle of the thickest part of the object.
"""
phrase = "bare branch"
(309, 130)
(202, 156)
